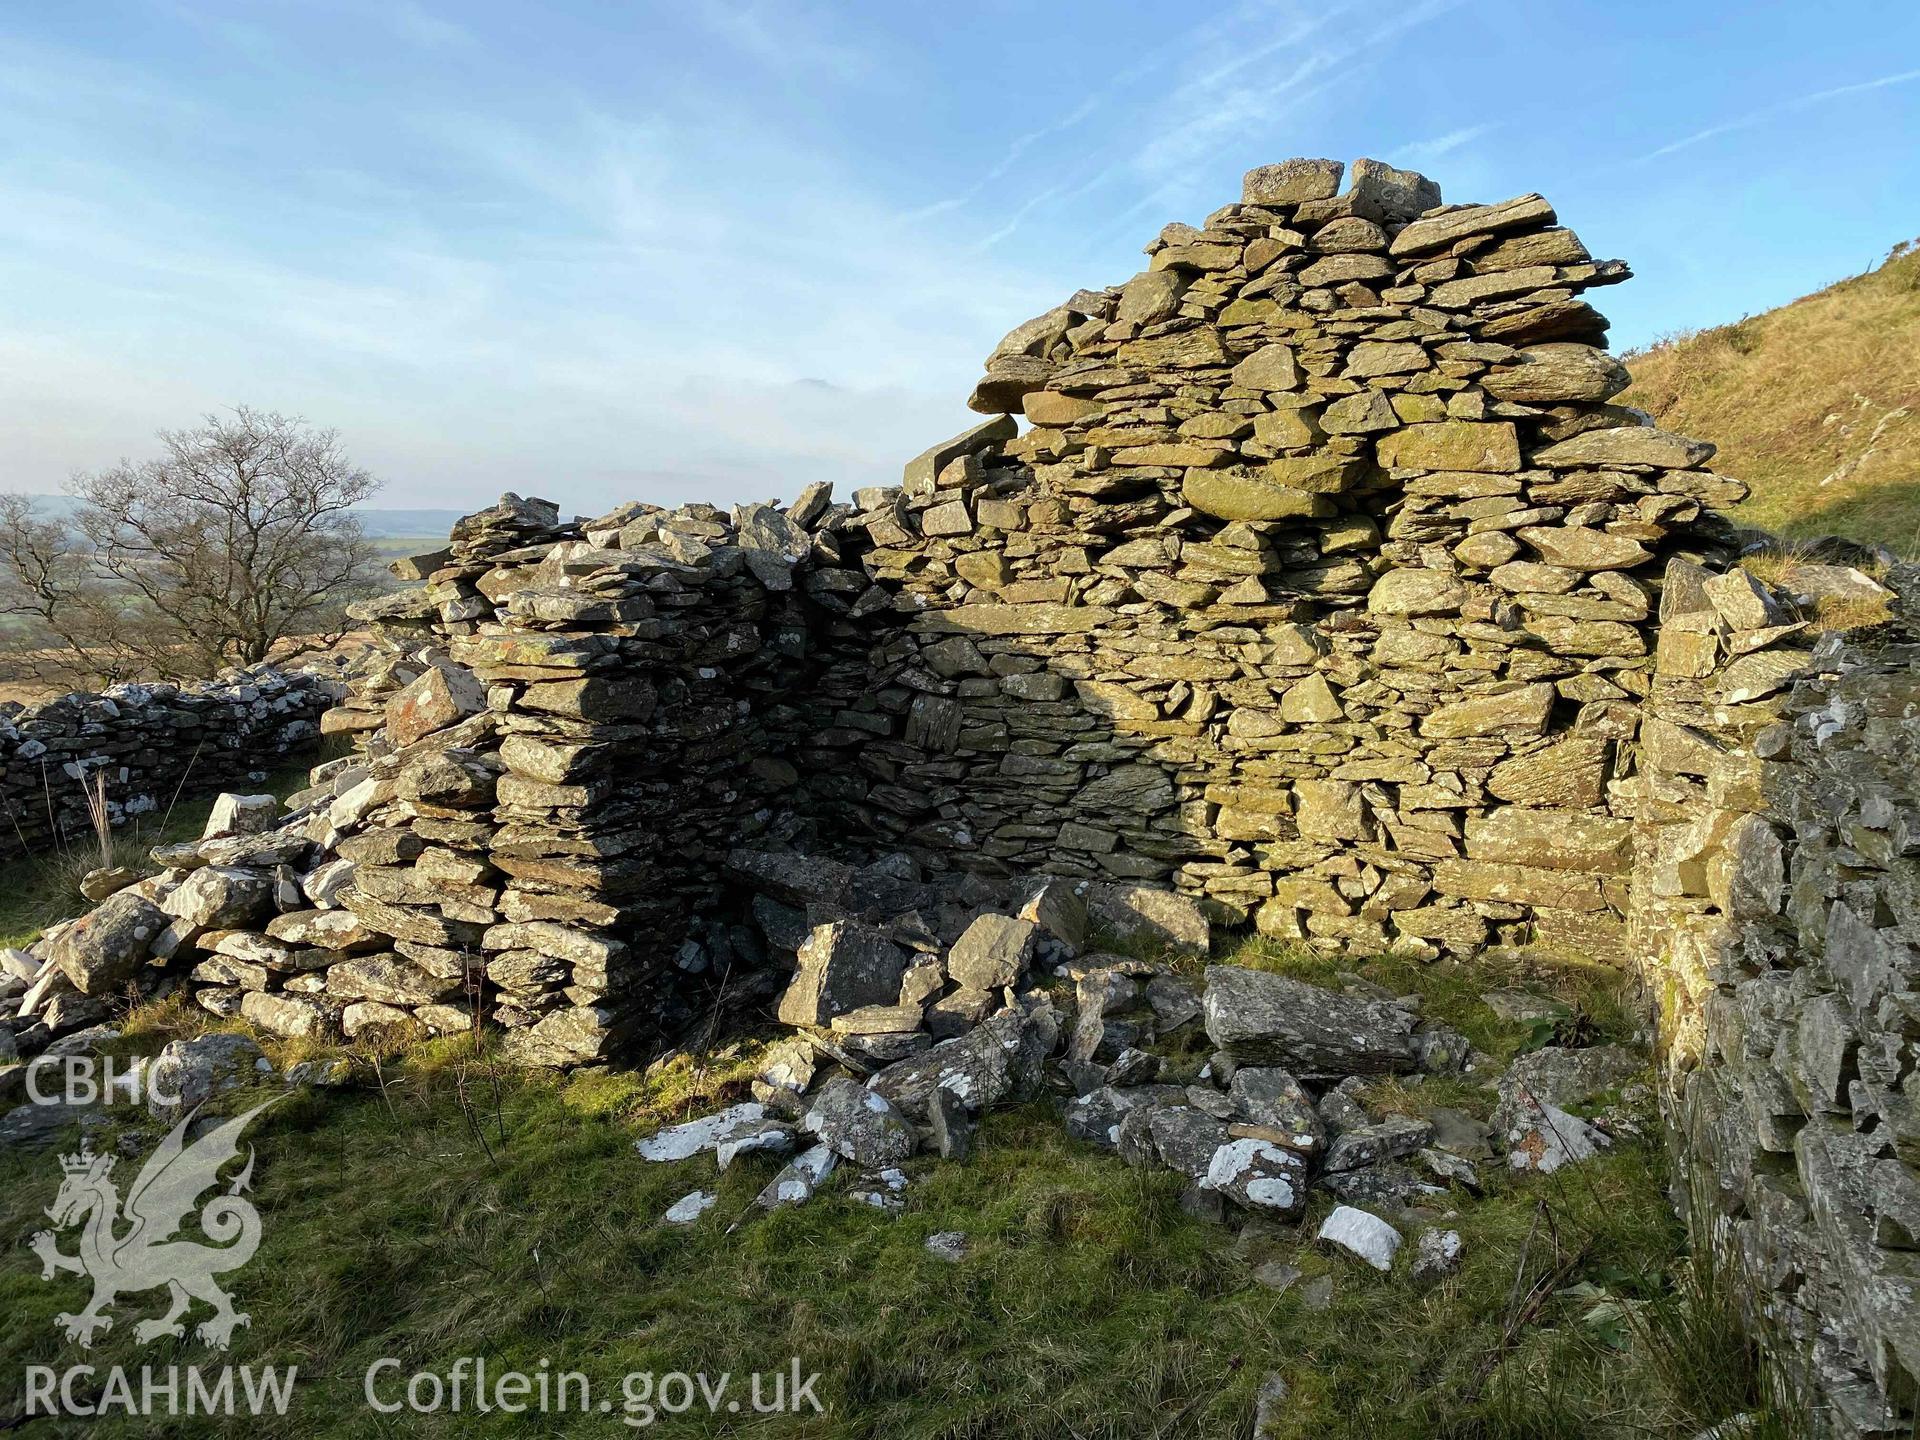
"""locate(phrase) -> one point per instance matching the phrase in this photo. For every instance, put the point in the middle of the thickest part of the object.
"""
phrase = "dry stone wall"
(1319, 588)
(147, 742)
(1776, 913)
(1320, 585)
(1324, 590)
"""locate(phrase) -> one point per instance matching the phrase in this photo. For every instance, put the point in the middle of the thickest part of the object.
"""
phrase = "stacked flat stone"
(571, 726)
(148, 743)
(1776, 910)
(1320, 586)
(617, 717)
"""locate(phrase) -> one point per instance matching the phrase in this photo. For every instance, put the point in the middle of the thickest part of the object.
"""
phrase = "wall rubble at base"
(1776, 913)
(146, 741)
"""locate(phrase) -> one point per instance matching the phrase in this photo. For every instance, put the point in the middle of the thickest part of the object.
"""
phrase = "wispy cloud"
(784, 36)
(1770, 112)
(1020, 146)
(419, 26)
(1424, 152)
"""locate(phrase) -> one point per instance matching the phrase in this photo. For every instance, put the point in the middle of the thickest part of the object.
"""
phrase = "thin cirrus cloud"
(1426, 152)
(1772, 112)
(1262, 69)
(716, 248)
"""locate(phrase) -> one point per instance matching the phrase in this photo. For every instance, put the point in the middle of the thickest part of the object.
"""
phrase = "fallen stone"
(1265, 1019)
(1389, 1139)
(1362, 1235)
(993, 953)
(882, 1190)
(798, 1178)
(1437, 1254)
(690, 1207)
(100, 952)
(859, 1124)
(1543, 1138)
(843, 966)
(949, 1245)
(1259, 1175)
(694, 1137)
(189, 1072)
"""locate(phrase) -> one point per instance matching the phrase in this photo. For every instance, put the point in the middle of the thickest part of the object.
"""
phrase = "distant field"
(1816, 405)
(394, 546)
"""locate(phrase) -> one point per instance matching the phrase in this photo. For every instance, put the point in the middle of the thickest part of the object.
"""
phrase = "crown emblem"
(82, 1163)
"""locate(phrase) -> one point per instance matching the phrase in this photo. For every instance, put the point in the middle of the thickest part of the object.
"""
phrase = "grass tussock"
(1816, 405)
(1775, 566)
(41, 890)
(448, 1206)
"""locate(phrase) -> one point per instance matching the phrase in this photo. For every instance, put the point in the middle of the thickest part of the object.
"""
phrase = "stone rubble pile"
(148, 743)
(568, 728)
(884, 1065)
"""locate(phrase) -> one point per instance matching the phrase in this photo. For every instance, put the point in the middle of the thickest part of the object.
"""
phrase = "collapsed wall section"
(588, 717)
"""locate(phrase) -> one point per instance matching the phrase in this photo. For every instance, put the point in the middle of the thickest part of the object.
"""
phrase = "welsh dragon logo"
(144, 1255)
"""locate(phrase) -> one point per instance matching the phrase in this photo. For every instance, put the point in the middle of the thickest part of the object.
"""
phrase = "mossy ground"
(448, 1207)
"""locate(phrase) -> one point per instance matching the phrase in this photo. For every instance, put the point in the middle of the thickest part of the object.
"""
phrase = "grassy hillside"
(1816, 405)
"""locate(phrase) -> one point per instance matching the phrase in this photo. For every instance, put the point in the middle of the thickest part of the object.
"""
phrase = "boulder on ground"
(101, 951)
(993, 953)
(859, 1124)
(1259, 1175)
(188, 1072)
(843, 966)
(1361, 1234)
(998, 1061)
(1264, 1019)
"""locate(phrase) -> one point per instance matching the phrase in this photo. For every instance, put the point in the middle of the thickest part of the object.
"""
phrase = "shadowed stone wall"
(148, 742)
(1320, 584)
(1776, 912)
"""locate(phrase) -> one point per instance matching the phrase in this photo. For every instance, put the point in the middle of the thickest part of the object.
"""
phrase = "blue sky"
(716, 249)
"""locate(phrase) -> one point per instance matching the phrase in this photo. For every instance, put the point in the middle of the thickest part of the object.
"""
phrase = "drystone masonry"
(1776, 897)
(1320, 586)
(1325, 591)
(1319, 590)
(147, 742)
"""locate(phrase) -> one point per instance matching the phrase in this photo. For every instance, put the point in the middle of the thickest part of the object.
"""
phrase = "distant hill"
(380, 524)
(1816, 405)
(387, 524)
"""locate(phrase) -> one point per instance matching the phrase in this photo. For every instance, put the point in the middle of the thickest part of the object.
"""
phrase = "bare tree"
(70, 625)
(237, 536)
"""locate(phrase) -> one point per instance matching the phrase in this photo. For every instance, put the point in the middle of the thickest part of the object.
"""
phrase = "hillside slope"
(1816, 405)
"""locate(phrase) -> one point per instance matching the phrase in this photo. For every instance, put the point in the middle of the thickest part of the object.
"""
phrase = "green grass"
(449, 1208)
(1816, 405)
(38, 891)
